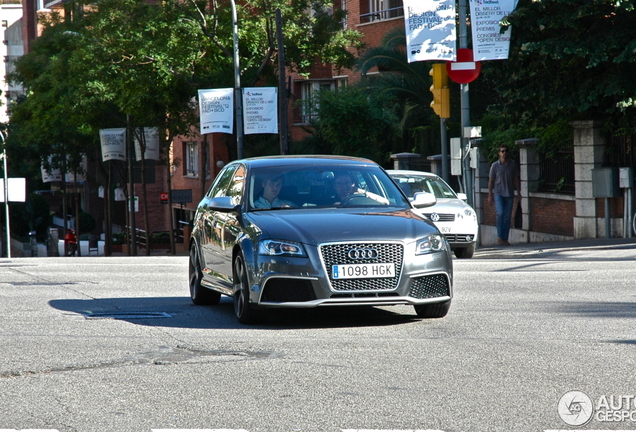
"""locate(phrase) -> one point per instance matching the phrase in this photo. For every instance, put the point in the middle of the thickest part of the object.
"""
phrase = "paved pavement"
(529, 250)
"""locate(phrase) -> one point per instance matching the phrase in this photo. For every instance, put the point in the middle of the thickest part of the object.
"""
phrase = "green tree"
(351, 121)
(569, 59)
(404, 87)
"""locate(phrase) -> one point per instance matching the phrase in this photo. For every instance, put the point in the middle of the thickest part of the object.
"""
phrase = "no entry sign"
(465, 69)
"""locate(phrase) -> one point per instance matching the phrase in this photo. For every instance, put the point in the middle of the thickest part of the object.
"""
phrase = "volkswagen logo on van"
(365, 253)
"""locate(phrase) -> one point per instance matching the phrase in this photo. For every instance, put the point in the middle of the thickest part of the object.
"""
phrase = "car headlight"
(430, 243)
(278, 247)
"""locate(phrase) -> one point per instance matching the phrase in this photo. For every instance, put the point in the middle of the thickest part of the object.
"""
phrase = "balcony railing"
(381, 15)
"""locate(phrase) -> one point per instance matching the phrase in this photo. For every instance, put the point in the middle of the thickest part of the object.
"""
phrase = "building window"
(191, 166)
(308, 91)
(379, 10)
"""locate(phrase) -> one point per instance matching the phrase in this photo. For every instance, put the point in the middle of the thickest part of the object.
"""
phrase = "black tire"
(433, 310)
(243, 309)
(466, 252)
(199, 294)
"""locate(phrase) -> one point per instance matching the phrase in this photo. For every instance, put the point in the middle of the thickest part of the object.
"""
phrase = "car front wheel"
(199, 294)
(466, 252)
(434, 310)
(243, 309)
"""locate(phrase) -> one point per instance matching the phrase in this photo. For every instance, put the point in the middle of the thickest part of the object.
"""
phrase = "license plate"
(362, 271)
(444, 230)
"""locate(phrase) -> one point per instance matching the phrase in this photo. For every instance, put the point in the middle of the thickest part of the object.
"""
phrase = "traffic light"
(440, 90)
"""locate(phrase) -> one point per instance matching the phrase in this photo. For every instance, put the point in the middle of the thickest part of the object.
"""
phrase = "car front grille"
(430, 287)
(288, 290)
(387, 253)
(460, 238)
(443, 217)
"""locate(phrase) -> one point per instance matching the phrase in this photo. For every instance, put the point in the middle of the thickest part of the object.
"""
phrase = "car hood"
(445, 205)
(320, 226)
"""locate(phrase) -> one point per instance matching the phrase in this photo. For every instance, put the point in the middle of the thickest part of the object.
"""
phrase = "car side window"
(220, 186)
(237, 185)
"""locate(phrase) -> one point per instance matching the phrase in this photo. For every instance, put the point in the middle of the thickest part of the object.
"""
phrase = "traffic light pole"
(444, 141)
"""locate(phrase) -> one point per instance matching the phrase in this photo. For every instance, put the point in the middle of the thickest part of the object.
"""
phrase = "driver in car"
(345, 187)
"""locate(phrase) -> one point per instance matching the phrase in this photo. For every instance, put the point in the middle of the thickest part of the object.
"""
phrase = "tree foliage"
(351, 121)
(569, 59)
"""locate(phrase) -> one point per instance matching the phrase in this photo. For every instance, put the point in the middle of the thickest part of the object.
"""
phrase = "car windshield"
(411, 184)
(321, 186)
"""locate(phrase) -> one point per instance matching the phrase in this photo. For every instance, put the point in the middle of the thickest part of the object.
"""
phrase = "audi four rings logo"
(363, 254)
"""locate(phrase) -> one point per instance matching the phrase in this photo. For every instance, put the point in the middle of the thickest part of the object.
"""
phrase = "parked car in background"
(280, 232)
(454, 218)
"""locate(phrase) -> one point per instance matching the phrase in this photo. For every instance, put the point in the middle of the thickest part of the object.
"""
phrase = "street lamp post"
(238, 97)
(6, 195)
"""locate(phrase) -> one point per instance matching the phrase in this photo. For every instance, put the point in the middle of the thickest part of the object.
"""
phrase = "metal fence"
(621, 152)
(557, 173)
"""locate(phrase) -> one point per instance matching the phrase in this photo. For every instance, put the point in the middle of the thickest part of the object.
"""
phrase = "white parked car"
(452, 216)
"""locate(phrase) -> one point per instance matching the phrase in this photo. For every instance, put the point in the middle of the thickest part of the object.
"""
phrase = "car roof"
(302, 160)
(412, 173)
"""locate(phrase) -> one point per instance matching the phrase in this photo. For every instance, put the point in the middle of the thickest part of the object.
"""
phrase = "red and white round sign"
(465, 69)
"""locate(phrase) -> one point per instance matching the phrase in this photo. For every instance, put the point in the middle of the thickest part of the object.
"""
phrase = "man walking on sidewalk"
(502, 182)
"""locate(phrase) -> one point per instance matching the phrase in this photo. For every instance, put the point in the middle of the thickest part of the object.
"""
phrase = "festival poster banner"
(216, 110)
(260, 110)
(113, 144)
(151, 138)
(485, 17)
(430, 30)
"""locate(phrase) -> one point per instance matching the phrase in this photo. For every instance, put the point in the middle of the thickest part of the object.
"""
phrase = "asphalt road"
(114, 344)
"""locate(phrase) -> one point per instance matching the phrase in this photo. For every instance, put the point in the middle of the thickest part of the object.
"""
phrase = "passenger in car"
(269, 196)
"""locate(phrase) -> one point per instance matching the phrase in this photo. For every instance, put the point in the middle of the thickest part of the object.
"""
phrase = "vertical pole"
(131, 190)
(282, 91)
(238, 97)
(6, 195)
(444, 141)
(465, 108)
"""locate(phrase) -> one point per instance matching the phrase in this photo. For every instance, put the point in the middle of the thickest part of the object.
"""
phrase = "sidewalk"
(530, 250)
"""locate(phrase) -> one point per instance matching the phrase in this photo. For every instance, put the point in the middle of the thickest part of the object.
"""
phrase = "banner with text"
(113, 144)
(485, 17)
(430, 30)
(260, 110)
(52, 174)
(151, 138)
(216, 110)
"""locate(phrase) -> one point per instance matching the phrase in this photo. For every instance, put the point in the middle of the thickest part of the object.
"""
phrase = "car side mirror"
(222, 204)
(423, 199)
(462, 196)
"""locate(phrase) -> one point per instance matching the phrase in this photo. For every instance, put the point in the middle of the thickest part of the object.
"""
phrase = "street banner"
(430, 30)
(70, 177)
(113, 144)
(260, 110)
(54, 175)
(151, 138)
(216, 110)
(16, 189)
(485, 17)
